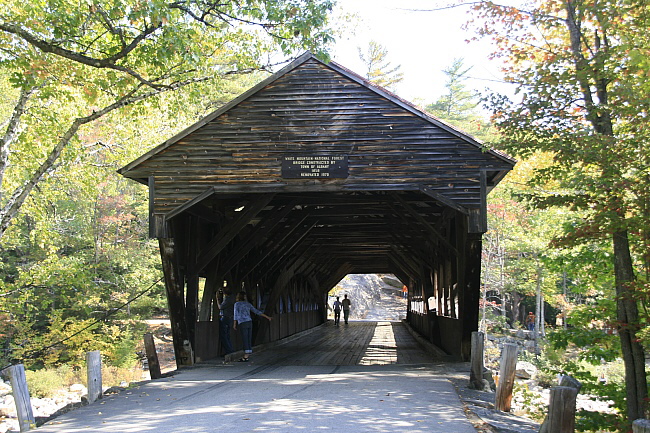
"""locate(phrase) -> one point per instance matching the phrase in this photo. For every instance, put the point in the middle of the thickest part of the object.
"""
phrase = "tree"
(458, 102)
(378, 68)
(458, 105)
(579, 68)
(79, 250)
(71, 65)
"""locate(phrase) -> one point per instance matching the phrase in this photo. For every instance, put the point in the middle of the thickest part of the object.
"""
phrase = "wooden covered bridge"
(311, 175)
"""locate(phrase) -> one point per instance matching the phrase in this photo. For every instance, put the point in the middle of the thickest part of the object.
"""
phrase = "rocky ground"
(75, 396)
(530, 399)
(373, 297)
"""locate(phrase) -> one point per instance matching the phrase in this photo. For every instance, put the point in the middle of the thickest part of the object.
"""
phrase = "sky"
(423, 43)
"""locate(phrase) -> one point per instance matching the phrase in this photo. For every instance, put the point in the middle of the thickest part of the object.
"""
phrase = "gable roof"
(339, 69)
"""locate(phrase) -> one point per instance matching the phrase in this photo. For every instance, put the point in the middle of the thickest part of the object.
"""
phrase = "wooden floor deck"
(358, 343)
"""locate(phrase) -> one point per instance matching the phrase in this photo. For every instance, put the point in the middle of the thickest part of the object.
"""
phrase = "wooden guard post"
(26, 419)
(152, 357)
(94, 365)
(562, 407)
(641, 426)
(477, 365)
(503, 398)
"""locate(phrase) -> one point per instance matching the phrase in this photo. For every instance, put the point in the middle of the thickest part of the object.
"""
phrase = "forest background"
(86, 90)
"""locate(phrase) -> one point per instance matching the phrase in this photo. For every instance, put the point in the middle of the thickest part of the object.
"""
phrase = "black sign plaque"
(315, 166)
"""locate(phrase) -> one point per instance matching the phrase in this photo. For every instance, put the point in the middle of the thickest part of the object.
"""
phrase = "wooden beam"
(406, 263)
(278, 259)
(271, 246)
(280, 283)
(174, 288)
(191, 275)
(402, 268)
(190, 203)
(478, 217)
(257, 237)
(442, 199)
(469, 302)
(231, 229)
(424, 222)
(152, 197)
(337, 276)
(213, 280)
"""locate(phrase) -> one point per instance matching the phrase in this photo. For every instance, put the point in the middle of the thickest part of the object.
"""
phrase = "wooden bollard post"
(152, 357)
(94, 365)
(503, 399)
(26, 420)
(570, 382)
(641, 426)
(562, 409)
(477, 365)
(565, 381)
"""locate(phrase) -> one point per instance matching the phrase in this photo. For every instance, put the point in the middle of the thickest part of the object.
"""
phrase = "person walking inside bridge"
(345, 304)
(226, 304)
(244, 321)
(337, 311)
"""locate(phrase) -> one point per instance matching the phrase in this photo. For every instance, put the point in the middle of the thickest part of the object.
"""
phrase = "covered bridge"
(311, 175)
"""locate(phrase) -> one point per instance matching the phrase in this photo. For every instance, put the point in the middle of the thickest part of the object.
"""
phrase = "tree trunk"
(542, 316)
(565, 299)
(627, 315)
(538, 307)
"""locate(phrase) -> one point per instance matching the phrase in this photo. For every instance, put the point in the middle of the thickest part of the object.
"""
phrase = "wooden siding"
(315, 110)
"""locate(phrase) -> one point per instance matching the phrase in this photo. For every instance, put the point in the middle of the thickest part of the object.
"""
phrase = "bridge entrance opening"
(374, 297)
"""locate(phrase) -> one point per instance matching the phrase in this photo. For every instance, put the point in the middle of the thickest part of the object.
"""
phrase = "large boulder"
(525, 370)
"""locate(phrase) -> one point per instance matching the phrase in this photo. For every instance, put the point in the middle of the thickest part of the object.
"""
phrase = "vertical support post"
(471, 292)
(152, 198)
(503, 398)
(192, 277)
(26, 419)
(562, 409)
(94, 375)
(477, 366)
(641, 426)
(152, 357)
(213, 282)
(174, 288)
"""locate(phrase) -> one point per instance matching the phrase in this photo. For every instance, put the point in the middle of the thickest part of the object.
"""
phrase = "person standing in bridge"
(226, 304)
(244, 321)
(337, 311)
(345, 304)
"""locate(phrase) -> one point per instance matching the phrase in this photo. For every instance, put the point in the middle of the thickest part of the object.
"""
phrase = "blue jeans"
(246, 331)
(224, 335)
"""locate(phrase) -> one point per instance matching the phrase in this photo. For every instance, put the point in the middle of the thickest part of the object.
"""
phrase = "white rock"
(8, 407)
(78, 388)
(5, 388)
(10, 425)
(525, 368)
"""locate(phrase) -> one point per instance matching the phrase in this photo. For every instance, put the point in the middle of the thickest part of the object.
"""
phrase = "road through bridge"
(364, 377)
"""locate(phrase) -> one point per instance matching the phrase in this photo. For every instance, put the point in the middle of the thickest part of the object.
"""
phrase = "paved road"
(269, 397)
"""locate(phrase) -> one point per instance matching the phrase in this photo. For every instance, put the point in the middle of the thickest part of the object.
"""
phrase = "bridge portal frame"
(313, 174)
